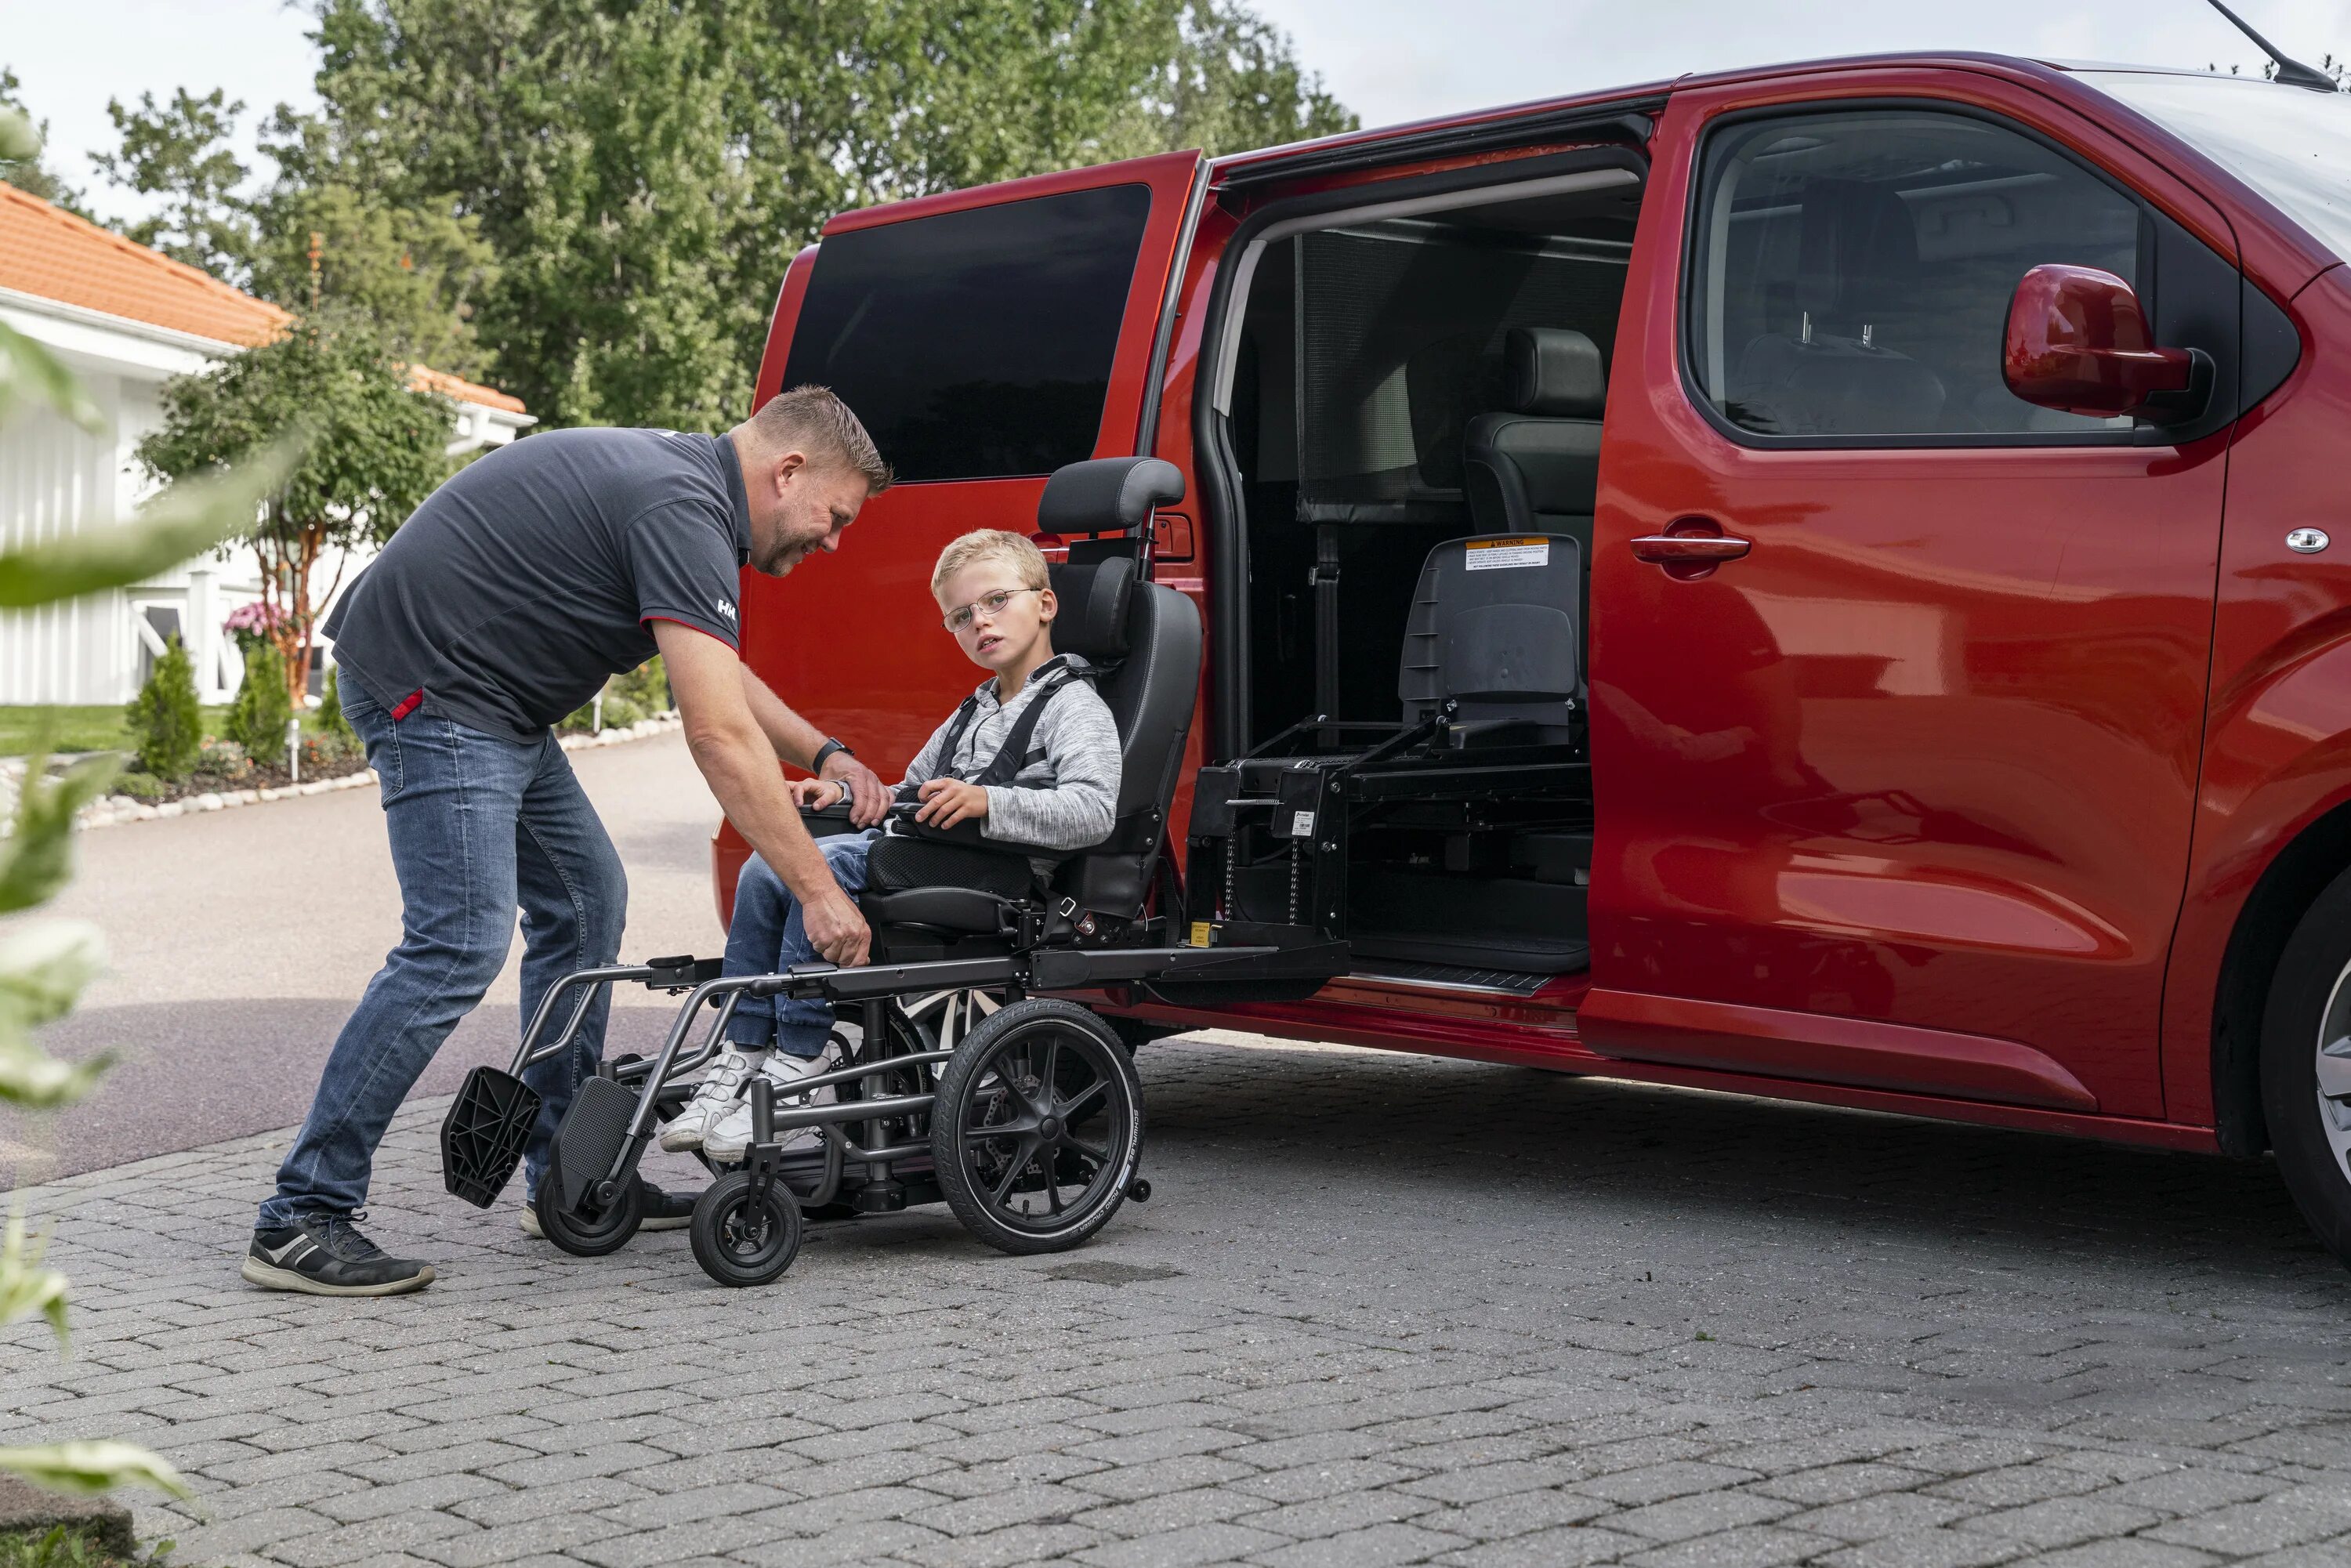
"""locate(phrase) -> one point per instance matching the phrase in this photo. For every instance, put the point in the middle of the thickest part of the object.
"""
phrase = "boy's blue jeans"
(768, 936)
(479, 826)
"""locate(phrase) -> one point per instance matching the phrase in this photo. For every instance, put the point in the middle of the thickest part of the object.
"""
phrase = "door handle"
(1690, 549)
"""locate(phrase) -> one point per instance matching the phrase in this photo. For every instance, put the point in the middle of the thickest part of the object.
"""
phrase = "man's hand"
(814, 794)
(946, 801)
(836, 930)
(869, 798)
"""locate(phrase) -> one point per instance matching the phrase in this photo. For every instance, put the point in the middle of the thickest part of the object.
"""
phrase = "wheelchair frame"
(746, 1225)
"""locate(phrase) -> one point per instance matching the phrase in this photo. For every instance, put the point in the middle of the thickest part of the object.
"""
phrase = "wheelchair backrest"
(1148, 637)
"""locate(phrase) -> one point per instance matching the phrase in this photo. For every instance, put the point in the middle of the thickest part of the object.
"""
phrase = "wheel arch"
(2286, 889)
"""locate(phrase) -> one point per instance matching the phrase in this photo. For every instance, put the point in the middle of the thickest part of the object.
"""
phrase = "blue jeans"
(769, 936)
(480, 825)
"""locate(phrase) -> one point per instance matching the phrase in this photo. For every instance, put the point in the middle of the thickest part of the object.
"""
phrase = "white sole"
(681, 1141)
(263, 1274)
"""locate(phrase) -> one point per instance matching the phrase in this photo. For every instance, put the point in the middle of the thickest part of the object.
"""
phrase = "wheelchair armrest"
(826, 821)
(966, 832)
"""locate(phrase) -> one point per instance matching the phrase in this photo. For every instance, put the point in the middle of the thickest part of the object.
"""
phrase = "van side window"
(1853, 272)
(976, 344)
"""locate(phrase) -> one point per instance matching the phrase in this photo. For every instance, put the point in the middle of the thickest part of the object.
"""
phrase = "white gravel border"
(115, 810)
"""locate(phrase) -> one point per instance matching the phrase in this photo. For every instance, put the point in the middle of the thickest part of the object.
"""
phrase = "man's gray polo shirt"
(510, 595)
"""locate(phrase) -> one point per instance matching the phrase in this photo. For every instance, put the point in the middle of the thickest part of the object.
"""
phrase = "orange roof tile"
(48, 252)
(424, 378)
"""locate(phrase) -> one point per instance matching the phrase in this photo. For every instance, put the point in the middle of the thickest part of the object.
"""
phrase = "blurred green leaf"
(26, 1287)
(187, 520)
(32, 1079)
(30, 373)
(42, 969)
(17, 136)
(94, 1467)
(37, 859)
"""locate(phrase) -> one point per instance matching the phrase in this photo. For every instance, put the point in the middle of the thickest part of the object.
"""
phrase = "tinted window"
(976, 345)
(1854, 271)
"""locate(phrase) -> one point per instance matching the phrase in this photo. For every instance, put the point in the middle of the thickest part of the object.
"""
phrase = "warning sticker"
(1202, 936)
(1301, 824)
(1490, 555)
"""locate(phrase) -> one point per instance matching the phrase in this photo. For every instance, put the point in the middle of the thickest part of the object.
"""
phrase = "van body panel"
(1975, 844)
(2278, 756)
(1927, 757)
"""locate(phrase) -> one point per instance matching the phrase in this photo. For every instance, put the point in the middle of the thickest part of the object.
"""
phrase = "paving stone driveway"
(1381, 1310)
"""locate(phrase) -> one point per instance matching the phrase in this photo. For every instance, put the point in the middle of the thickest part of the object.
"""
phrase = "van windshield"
(2290, 145)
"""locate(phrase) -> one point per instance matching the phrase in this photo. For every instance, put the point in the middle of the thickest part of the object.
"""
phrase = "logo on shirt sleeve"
(727, 610)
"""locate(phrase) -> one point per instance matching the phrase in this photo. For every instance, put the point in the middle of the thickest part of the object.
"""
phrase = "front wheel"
(1037, 1128)
(2306, 1066)
(740, 1240)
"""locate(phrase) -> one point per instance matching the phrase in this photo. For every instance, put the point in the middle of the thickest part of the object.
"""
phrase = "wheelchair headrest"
(1107, 495)
(1094, 601)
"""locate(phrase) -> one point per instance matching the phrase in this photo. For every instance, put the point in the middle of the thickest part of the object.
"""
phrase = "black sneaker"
(325, 1255)
(665, 1210)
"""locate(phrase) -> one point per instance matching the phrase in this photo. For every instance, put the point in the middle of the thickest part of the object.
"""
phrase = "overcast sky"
(1384, 58)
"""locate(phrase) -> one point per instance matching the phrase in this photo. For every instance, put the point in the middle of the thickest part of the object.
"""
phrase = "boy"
(993, 596)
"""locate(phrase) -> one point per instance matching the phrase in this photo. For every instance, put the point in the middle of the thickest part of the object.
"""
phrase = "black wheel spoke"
(999, 1132)
(1053, 1185)
(1020, 1163)
(1052, 1061)
(1074, 1107)
(1101, 1156)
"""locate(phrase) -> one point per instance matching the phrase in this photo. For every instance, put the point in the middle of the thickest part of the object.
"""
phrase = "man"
(500, 607)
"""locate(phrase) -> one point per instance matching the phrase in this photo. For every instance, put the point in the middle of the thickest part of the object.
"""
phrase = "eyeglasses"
(987, 604)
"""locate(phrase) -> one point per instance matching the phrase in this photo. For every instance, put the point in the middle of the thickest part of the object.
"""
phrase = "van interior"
(1411, 403)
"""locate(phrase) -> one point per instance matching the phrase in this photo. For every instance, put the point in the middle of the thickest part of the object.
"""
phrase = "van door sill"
(1454, 977)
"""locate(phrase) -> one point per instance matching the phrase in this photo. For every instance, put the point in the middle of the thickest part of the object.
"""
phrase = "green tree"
(166, 726)
(28, 172)
(179, 152)
(645, 173)
(378, 450)
(256, 718)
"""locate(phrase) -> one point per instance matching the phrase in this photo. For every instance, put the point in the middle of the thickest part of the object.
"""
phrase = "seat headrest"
(1094, 600)
(1553, 371)
(1107, 495)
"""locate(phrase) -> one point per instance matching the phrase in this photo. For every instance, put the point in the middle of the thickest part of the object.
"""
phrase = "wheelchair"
(978, 1076)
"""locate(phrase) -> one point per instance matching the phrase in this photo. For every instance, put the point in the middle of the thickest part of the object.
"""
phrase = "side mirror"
(2077, 341)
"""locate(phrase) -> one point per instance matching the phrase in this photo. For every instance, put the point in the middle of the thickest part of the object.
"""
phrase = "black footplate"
(590, 1137)
(483, 1135)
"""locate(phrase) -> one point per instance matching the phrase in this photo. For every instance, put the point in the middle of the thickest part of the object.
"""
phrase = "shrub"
(256, 720)
(620, 712)
(165, 725)
(331, 711)
(327, 755)
(646, 687)
(141, 787)
(224, 760)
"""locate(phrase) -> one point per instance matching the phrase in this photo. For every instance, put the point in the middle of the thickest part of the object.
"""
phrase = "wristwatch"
(824, 754)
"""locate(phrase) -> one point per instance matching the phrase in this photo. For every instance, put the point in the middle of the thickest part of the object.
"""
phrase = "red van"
(1895, 492)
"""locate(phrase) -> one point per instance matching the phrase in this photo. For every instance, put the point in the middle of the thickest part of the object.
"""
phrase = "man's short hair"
(1027, 561)
(812, 420)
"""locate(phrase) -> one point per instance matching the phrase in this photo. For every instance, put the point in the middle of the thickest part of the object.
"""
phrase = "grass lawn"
(96, 728)
(63, 1547)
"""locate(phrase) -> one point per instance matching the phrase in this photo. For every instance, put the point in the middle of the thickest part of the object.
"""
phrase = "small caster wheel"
(594, 1231)
(739, 1240)
(1139, 1190)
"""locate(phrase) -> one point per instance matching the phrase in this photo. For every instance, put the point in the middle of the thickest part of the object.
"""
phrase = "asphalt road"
(240, 939)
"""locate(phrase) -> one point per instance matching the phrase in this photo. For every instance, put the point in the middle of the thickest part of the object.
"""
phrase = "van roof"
(2012, 66)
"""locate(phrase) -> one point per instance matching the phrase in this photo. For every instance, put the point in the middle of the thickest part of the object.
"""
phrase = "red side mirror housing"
(2078, 341)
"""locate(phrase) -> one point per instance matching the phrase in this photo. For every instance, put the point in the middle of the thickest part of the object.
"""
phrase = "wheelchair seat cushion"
(898, 862)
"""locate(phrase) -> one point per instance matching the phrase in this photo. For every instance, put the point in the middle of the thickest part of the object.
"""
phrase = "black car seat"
(1535, 470)
(1146, 641)
(1494, 640)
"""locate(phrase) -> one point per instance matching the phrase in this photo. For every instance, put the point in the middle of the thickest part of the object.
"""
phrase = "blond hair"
(812, 420)
(1027, 561)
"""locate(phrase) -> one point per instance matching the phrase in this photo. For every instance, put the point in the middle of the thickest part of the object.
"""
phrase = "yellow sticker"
(1201, 934)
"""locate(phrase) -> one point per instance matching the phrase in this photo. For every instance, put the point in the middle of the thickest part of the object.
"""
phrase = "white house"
(126, 320)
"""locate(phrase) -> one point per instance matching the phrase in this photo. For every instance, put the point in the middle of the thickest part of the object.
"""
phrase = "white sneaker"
(730, 1138)
(711, 1101)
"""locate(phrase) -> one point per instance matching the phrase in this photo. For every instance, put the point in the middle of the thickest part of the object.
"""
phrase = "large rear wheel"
(1039, 1126)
